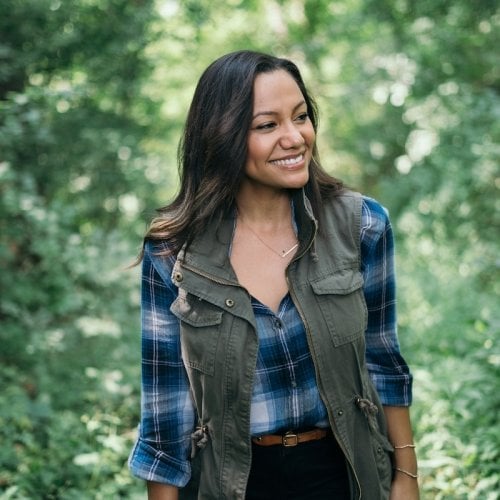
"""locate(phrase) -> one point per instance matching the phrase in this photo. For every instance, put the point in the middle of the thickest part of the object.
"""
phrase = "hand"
(404, 488)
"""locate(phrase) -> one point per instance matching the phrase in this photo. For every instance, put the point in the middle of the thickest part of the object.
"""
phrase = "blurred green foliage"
(93, 94)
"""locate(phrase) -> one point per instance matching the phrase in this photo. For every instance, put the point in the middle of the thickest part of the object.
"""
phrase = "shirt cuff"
(394, 390)
(146, 462)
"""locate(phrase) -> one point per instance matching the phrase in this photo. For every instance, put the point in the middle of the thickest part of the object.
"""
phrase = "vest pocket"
(341, 300)
(200, 324)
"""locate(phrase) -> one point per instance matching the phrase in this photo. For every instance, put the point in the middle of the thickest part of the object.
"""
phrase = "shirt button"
(229, 302)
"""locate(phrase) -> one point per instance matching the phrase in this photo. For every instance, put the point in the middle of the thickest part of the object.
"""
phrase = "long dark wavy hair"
(213, 149)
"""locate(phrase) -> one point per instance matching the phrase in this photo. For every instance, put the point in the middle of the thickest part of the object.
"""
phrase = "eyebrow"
(275, 113)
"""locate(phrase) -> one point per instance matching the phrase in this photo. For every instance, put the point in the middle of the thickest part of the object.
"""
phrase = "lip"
(290, 162)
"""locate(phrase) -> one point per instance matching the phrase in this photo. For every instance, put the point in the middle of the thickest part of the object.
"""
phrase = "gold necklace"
(281, 254)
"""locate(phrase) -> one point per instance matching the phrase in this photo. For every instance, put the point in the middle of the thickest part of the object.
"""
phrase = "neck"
(272, 211)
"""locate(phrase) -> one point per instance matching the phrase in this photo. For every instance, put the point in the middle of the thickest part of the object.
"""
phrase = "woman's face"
(281, 136)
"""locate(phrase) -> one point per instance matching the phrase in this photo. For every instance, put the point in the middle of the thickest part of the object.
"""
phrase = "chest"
(262, 276)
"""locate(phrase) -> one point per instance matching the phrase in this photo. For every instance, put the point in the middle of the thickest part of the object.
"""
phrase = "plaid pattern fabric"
(285, 392)
(387, 368)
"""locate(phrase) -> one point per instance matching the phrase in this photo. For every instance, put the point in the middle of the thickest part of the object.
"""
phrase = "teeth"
(288, 161)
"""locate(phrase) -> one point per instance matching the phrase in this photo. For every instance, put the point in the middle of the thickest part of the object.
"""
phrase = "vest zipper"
(330, 412)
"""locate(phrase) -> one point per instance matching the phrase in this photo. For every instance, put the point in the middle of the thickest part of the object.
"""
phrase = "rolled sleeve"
(149, 463)
(167, 412)
(387, 368)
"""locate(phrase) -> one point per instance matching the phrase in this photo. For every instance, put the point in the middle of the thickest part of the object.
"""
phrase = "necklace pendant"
(285, 253)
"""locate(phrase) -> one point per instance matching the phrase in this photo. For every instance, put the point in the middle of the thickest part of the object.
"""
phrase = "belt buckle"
(290, 439)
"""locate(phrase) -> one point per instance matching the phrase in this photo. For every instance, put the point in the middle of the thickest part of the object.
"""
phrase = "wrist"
(403, 446)
(408, 473)
(406, 459)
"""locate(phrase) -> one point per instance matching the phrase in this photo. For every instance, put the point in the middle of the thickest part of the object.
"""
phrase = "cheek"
(310, 135)
(256, 149)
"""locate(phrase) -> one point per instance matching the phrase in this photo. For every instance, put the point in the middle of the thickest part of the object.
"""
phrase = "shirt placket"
(280, 329)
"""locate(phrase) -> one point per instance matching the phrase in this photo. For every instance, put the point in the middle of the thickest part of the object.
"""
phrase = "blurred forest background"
(93, 95)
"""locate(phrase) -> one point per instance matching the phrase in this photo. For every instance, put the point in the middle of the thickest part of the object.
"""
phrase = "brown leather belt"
(290, 438)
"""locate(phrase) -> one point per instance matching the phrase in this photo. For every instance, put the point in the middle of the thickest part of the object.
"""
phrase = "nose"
(291, 137)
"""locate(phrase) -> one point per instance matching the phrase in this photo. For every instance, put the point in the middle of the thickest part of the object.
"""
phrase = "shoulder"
(346, 204)
(374, 218)
(158, 256)
(376, 238)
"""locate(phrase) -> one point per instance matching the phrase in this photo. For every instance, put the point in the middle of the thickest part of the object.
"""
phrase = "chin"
(299, 183)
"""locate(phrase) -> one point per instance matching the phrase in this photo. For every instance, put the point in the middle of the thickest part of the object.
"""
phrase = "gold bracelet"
(414, 476)
(403, 446)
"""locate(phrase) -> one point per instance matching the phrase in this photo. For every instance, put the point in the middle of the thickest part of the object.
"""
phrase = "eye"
(265, 126)
(302, 117)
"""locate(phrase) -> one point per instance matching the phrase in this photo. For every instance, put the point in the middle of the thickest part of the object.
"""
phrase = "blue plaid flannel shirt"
(285, 391)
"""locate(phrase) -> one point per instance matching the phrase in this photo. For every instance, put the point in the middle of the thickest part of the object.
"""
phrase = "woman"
(268, 311)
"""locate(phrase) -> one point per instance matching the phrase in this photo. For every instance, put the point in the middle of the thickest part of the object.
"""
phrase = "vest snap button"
(340, 413)
(229, 302)
(178, 276)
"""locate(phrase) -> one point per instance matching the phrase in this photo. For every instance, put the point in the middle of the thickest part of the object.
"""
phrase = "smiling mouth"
(288, 161)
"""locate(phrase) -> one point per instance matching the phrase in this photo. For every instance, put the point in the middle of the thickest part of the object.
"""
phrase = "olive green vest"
(219, 348)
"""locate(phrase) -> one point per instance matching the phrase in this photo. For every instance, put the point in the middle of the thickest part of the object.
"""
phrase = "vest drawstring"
(368, 408)
(199, 439)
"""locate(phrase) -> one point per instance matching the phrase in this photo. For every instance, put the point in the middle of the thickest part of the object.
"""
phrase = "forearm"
(401, 435)
(158, 491)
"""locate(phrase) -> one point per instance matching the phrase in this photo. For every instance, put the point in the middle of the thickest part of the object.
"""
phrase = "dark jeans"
(315, 470)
